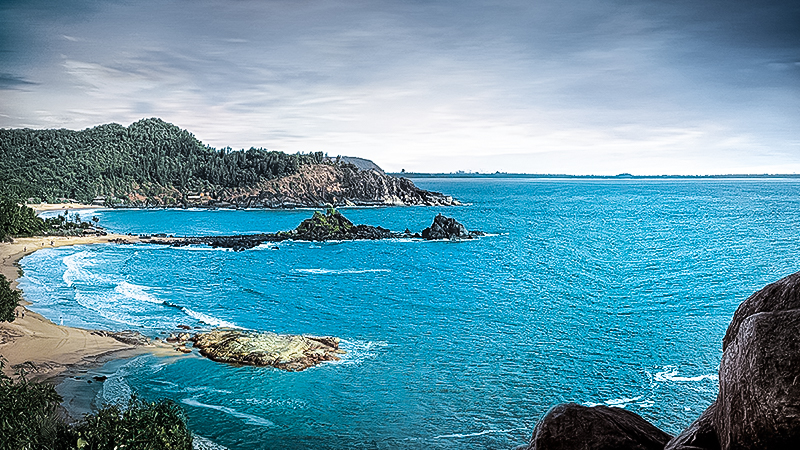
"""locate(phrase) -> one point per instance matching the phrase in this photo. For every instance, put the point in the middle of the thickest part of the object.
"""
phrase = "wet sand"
(41, 347)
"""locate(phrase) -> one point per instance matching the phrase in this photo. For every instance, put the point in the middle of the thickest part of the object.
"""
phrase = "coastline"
(47, 350)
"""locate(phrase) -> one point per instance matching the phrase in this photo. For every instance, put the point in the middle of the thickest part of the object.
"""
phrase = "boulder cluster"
(758, 405)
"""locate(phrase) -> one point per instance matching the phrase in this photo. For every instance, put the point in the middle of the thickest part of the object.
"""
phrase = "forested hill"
(149, 159)
(155, 163)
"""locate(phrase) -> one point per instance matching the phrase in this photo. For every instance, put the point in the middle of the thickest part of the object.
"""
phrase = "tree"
(9, 299)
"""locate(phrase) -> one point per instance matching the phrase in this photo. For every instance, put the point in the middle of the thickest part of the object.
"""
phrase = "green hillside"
(149, 160)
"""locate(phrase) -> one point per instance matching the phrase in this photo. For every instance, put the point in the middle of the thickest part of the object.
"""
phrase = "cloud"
(9, 81)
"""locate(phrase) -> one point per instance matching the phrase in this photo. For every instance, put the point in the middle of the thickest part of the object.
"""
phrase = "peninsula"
(152, 163)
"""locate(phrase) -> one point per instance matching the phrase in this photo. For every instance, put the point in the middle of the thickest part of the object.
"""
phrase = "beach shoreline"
(42, 348)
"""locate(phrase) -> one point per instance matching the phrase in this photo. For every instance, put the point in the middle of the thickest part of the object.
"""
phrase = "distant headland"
(152, 163)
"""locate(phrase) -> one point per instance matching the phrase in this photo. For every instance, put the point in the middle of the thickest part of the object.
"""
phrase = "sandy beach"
(44, 348)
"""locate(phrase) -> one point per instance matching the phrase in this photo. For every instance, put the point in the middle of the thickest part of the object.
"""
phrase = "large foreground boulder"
(283, 351)
(575, 427)
(701, 434)
(758, 406)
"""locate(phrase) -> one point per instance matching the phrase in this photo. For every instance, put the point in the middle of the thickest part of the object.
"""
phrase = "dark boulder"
(447, 228)
(701, 434)
(575, 427)
(758, 406)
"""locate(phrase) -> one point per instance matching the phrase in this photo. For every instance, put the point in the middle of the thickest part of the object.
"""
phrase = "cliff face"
(339, 185)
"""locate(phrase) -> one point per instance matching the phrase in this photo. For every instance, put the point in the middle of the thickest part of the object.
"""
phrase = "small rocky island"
(757, 408)
(331, 226)
(292, 353)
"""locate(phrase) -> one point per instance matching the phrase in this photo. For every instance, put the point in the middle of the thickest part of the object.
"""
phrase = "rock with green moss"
(292, 353)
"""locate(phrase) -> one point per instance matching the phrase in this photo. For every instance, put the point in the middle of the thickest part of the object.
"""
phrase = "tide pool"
(614, 292)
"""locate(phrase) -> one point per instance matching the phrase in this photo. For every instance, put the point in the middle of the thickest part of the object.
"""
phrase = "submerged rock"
(283, 351)
(571, 426)
(126, 337)
(448, 228)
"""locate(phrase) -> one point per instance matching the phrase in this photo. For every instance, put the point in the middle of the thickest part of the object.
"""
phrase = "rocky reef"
(287, 352)
(327, 227)
(758, 405)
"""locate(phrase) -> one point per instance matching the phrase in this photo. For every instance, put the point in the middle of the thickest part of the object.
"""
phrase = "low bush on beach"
(29, 420)
(9, 298)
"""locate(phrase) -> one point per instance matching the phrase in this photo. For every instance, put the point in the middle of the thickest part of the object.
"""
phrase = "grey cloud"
(8, 82)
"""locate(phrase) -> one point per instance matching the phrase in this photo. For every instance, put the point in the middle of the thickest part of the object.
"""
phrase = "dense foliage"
(29, 420)
(150, 159)
(9, 299)
(20, 221)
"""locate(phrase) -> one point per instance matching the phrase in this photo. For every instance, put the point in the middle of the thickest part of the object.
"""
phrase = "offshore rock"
(448, 228)
(287, 352)
(571, 426)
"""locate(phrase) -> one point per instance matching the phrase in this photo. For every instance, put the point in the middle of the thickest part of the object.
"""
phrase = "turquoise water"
(612, 292)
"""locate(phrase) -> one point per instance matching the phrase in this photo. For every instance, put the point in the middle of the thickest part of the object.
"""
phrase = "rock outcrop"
(758, 405)
(571, 426)
(288, 352)
(326, 227)
(318, 185)
(448, 228)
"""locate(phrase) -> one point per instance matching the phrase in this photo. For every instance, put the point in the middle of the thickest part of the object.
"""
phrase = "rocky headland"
(337, 184)
(758, 405)
(331, 226)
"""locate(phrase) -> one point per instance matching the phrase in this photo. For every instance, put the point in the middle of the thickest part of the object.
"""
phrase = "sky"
(533, 86)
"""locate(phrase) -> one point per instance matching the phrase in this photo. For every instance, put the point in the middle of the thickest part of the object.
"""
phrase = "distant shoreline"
(601, 177)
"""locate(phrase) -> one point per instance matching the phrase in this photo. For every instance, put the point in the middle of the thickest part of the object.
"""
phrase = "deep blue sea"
(595, 291)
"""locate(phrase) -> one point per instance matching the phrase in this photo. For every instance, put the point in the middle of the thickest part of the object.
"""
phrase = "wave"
(339, 271)
(208, 320)
(248, 418)
(359, 351)
(204, 443)
(76, 264)
(135, 292)
(670, 373)
(479, 433)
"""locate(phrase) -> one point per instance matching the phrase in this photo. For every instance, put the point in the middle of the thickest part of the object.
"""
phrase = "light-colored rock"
(288, 352)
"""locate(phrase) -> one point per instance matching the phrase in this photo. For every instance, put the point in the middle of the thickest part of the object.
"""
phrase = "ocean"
(596, 291)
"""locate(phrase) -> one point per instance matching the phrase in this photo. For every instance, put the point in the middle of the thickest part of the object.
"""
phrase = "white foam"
(670, 373)
(76, 264)
(248, 418)
(621, 402)
(340, 271)
(359, 351)
(209, 320)
(479, 433)
(204, 443)
(135, 292)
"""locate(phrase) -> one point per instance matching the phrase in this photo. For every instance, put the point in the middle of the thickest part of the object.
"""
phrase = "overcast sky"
(551, 86)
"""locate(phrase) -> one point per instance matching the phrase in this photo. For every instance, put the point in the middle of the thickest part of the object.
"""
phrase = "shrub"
(160, 425)
(9, 298)
(28, 418)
